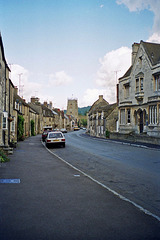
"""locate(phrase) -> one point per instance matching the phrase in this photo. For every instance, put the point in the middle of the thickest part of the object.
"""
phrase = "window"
(13, 125)
(122, 115)
(5, 120)
(16, 105)
(20, 107)
(4, 123)
(153, 114)
(126, 91)
(128, 116)
(157, 82)
(139, 84)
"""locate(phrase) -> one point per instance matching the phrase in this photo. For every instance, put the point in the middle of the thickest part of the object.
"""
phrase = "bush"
(3, 157)
(32, 128)
(20, 128)
(107, 133)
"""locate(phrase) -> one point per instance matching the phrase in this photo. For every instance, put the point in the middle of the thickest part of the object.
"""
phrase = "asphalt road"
(49, 200)
(132, 171)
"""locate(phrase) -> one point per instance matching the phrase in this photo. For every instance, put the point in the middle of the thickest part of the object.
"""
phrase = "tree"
(20, 128)
(32, 128)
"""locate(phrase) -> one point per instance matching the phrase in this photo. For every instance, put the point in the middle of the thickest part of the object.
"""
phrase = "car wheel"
(63, 144)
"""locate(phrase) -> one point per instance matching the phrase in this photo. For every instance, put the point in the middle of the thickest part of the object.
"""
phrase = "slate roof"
(127, 74)
(153, 53)
(2, 50)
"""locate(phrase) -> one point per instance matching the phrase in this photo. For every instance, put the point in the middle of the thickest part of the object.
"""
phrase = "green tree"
(20, 128)
(3, 157)
(84, 122)
(32, 128)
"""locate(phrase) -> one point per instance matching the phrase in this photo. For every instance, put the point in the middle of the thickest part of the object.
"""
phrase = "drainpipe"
(9, 112)
(5, 92)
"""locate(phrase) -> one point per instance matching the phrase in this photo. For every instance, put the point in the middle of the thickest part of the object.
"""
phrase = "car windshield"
(55, 135)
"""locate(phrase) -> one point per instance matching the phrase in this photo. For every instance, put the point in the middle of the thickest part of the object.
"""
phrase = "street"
(131, 171)
(47, 199)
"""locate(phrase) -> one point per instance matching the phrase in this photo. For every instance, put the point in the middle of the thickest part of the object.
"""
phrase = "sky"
(63, 49)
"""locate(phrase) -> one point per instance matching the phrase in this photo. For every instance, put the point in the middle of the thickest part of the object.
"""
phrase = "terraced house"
(4, 97)
(102, 118)
(139, 92)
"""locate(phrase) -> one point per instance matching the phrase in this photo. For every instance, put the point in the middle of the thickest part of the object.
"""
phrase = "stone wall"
(144, 138)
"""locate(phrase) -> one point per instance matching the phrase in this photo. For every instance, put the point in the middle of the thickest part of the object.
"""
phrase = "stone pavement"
(46, 199)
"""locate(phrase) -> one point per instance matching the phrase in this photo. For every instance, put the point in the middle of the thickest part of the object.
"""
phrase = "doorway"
(141, 122)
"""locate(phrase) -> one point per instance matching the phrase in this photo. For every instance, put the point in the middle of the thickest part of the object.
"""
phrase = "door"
(141, 122)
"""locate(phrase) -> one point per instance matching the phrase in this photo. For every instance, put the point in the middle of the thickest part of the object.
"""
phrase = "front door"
(141, 122)
(3, 136)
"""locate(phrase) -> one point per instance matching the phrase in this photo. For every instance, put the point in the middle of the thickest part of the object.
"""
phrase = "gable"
(101, 101)
(147, 54)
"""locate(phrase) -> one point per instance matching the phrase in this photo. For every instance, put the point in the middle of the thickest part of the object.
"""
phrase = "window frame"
(128, 115)
(13, 124)
(157, 82)
(139, 88)
(122, 116)
(5, 123)
(153, 118)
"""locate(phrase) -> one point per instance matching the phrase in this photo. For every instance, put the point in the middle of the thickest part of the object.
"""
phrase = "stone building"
(4, 97)
(139, 92)
(72, 109)
(102, 117)
(12, 119)
(46, 116)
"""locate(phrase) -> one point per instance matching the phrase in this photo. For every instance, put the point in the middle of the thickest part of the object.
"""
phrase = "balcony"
(139, 96)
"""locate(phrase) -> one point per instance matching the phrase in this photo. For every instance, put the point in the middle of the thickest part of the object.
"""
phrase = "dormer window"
(16, 105)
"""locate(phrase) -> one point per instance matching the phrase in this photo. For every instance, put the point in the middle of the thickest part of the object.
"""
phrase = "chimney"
(16, 90)
(34, 100)
(135, 47)
(50, 105)
(45, 104)
(100, 98)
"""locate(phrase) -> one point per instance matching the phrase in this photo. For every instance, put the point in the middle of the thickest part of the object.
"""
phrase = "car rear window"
(55, 135)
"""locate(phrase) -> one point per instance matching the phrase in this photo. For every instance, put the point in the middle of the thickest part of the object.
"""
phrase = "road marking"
(9, 180)
(147, 212)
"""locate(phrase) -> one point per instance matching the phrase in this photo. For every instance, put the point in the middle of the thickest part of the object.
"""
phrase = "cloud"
(139, 5)
(113, 65)
(155, 38)
(101, 6)
(39, 85)
(20, 78)
(91, 95)
(59, 79)
(17, 74)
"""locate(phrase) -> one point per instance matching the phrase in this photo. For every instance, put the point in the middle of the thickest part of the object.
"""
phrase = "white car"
(55, 138)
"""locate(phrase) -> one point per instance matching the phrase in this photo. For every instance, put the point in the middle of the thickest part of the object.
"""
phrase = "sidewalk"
(127, 142)
(51, 201)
